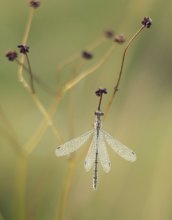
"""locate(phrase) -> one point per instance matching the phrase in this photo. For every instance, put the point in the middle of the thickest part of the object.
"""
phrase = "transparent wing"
(103, 154)
(119, 148)
(90, 158)
(73, 144)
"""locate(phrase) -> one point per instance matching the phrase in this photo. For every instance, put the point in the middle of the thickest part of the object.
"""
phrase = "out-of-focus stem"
(24, 41)
(66, 188)
(87, 72)
(21, 185)
(38, 80)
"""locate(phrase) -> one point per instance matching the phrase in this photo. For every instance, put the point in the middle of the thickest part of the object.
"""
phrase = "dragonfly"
(97, 150)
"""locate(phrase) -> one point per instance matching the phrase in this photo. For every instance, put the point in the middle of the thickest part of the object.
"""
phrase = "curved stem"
(116, 88)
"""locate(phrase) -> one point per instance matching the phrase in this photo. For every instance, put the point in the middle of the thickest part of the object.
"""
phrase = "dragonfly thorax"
(98, 121)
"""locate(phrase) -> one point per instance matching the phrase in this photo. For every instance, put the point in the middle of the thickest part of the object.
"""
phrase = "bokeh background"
(140, 117)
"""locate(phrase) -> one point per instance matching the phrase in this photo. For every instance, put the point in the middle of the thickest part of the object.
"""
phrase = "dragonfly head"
(99, 113)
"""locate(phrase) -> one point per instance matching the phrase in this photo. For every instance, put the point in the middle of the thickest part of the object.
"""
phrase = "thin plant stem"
(44, 112)
(100, 101)
(21, 172)
(47, 117)
(8, 132)
(31, 74)
(116, 88)
(99, 41)
(24, 41)
(21, 185)
(38, 80)
(37, 135)
(73, 74)
(68, 179)
(31, 89)
(71, 115)
(71, 167)
(10, 136)
(66, 188)
(12, 139)
(89, 71)
(26, 85)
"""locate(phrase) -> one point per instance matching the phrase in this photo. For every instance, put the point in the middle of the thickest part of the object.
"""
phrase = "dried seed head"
(99, 92)
(109, 34)
(23, 49)
(11, 55)
(120, 39)
(34, 3)
(147, 22)
(87, 55)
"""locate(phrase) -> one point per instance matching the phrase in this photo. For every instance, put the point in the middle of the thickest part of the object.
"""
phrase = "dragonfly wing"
(73, 144)
(119, 148)
(90, 158)
(103, 154)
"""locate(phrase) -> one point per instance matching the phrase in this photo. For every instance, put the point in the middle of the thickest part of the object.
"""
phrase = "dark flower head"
(100, 92)
(34, 3)
(11, 55)
(23, 49)
(87, 55)
(109, 33)
(120, 39)
(147, 22)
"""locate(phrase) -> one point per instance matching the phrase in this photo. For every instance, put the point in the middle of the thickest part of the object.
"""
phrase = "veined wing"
(119, 148)
(103, 154)
(90, 158)
(73, 144)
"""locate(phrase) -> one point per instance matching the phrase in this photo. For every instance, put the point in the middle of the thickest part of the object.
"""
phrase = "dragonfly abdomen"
(95, 178)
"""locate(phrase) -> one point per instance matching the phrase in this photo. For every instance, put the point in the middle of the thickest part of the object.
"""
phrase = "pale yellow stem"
(89, 71)
(21, 185)
(66, 189)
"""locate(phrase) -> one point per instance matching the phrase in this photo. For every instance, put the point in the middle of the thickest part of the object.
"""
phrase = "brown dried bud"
(99, 92)
(120, 39)
(87, 55)
(23, 49)
(147, 22)
(34, 3)
(109, 33)
(11, 55)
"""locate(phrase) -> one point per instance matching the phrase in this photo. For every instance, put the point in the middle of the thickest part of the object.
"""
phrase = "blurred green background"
(140, 117)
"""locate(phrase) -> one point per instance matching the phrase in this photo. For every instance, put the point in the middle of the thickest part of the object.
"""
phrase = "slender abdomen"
(95, 177)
